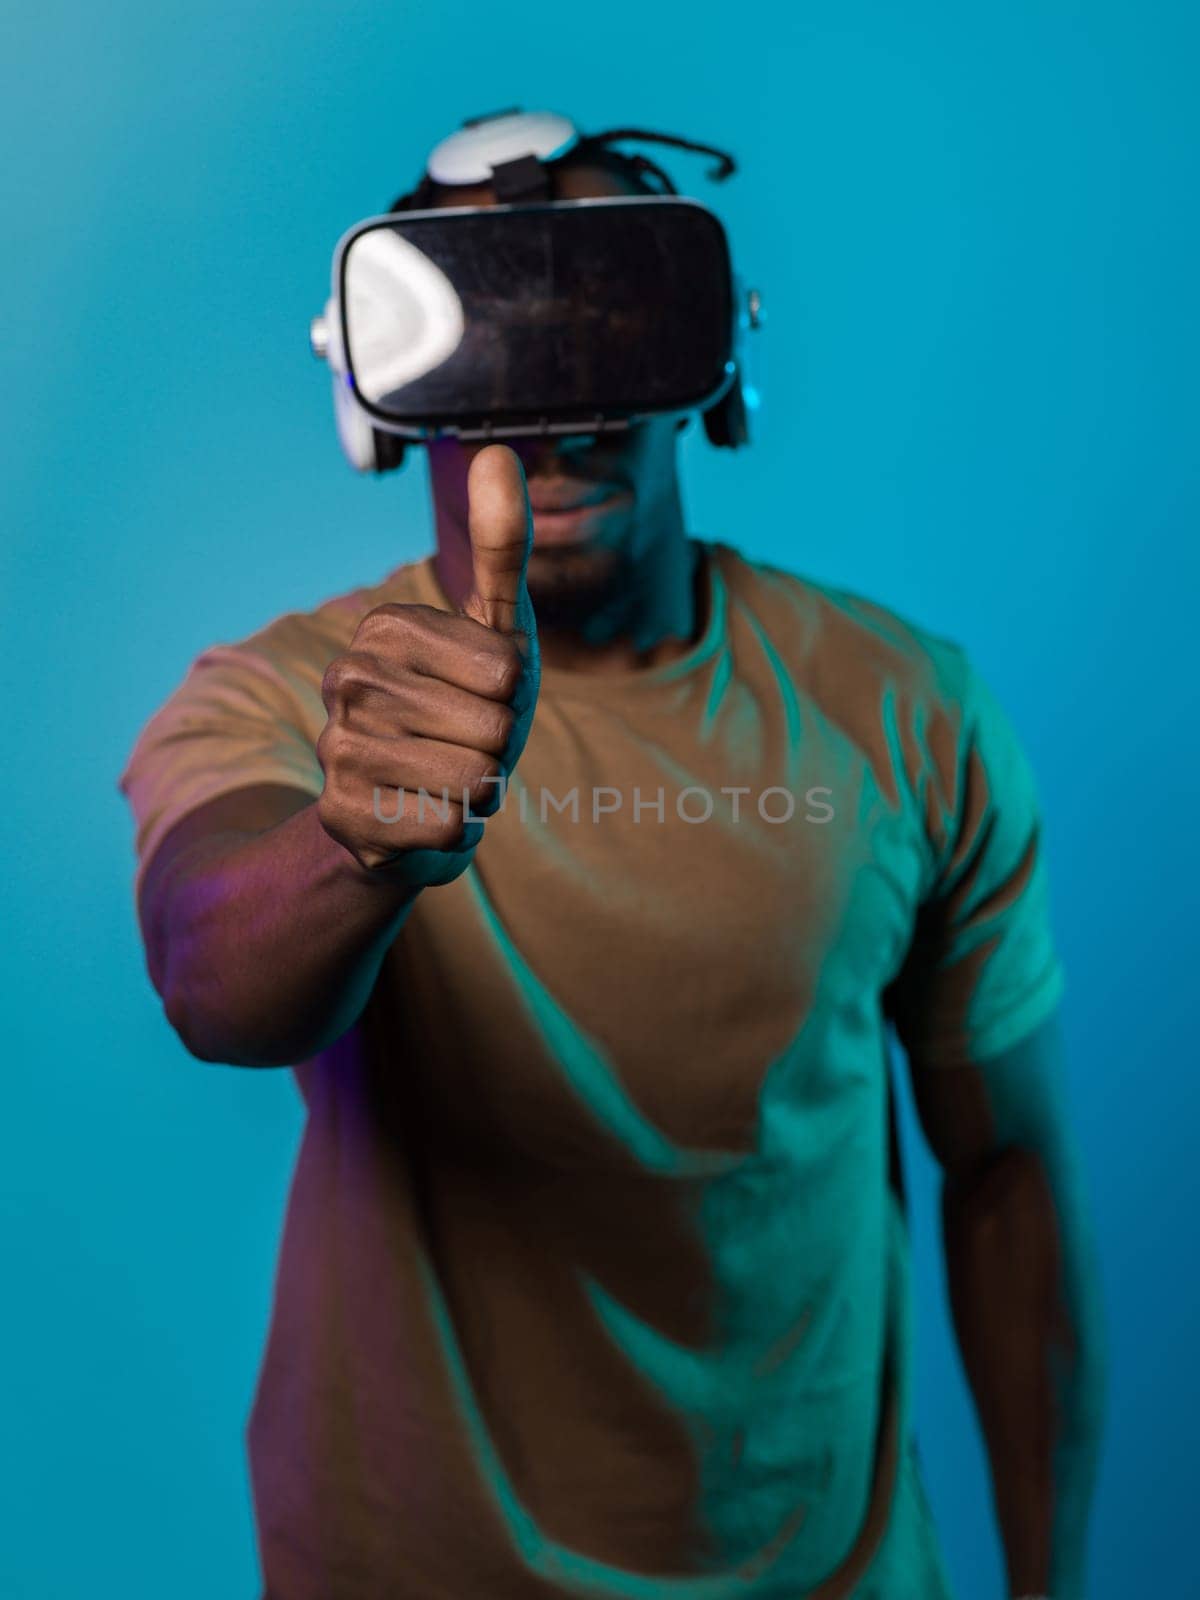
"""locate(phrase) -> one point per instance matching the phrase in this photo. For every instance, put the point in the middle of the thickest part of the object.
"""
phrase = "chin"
(563, 563)
(569, 583)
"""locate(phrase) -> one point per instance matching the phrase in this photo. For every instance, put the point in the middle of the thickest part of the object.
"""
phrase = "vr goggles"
(533, 316)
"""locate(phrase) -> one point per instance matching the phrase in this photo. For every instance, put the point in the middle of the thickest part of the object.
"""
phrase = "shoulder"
(906, 700)
(248, 712)
(296, 646)
(277, 669)
(271, 678)
(842, 643)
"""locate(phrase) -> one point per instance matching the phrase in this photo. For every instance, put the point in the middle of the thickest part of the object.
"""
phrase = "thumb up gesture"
(428, 712)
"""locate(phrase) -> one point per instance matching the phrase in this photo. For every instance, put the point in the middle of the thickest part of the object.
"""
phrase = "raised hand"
(427, 708)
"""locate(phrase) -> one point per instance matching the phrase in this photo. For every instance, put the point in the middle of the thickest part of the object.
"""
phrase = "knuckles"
(392, 651)
(391, 615)
(481, 780)
(411, 635)
(346, 679)
(498, 725)
(331, 751)
(331, 813)
(504, 666)
(394, 628)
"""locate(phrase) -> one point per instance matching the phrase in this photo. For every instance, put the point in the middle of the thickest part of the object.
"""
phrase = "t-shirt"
(593, 1281)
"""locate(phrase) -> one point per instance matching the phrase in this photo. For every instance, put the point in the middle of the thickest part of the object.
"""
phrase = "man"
(594, 1275)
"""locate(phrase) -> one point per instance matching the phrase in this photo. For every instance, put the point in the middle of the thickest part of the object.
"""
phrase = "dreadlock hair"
(643, 176)
(635, 170)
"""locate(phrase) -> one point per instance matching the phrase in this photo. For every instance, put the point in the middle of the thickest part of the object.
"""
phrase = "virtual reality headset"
(533, 315)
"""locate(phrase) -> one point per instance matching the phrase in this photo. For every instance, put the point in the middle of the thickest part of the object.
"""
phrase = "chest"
(657, 923)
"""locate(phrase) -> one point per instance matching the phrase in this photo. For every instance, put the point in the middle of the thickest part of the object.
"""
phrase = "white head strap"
(471, 154)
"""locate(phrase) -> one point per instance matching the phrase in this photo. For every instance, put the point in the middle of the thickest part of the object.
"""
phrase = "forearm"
(1026, 1311)
(265, 946)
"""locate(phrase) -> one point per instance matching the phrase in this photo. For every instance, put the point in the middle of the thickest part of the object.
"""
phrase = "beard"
(575, 590)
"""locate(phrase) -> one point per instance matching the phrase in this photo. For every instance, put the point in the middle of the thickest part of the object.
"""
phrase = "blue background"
(976, 231)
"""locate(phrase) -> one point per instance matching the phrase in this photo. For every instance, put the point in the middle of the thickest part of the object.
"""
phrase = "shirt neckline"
(565, 680)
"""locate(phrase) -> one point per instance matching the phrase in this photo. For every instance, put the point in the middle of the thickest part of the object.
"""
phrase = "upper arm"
(970, 1111)
(231, 752)
(975, 1001)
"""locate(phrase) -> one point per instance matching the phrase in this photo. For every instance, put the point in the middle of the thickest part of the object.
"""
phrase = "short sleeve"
(235, 720)
(982, 971)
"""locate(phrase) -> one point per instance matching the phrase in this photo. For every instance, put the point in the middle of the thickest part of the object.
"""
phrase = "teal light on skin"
(1025, 1089)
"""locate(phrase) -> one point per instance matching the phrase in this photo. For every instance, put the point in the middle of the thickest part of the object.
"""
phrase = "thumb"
(501, 528)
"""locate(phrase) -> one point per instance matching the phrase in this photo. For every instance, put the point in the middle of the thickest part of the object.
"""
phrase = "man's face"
(597, 499)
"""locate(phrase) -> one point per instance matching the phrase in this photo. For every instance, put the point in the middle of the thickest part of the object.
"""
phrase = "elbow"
(999, 1179)
(199, 999)
(218, 1039)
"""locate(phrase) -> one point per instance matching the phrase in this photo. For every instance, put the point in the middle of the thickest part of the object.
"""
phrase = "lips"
(546, 497)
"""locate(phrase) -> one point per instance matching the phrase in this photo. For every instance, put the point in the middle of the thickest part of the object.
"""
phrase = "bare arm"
(263, 936)
(1025, 1299)
(266, 915)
